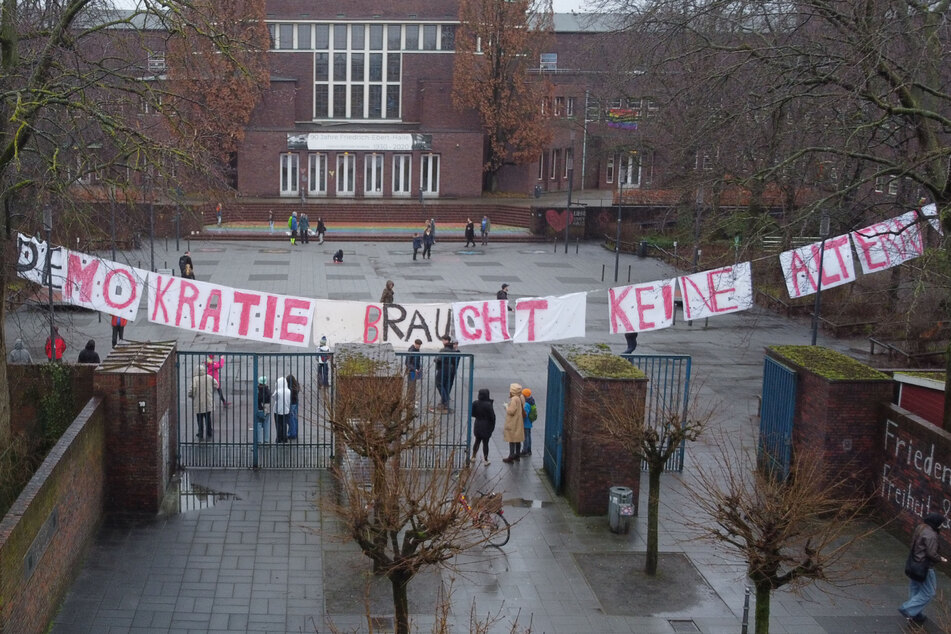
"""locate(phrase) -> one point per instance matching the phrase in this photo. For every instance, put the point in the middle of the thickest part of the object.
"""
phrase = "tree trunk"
(400, 584)
(763, 592)
(5, 432)
(653, 504)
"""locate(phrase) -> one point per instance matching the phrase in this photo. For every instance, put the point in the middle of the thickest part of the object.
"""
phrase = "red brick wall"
(839, 418)
(925, 402)
(28, 382)
(593, 465)
(69, 486)
(138, 462)
(913, 472)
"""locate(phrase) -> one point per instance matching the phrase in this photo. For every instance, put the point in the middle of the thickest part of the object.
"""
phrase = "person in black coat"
(89, 354)
(484, 414)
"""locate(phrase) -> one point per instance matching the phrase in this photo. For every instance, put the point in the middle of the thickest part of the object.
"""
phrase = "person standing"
(417, 244)
(485, 230)
(924, 552)
(304, 229)
(321, 230)
(414, 369)
(631, 339)
(528, 417)
(386, 297)
(432, 228)
(55, 347)
(503, 294)
(428, 242)
(281, 406)
(294, 388)
(19, 354)
(470, 232)
(218, 213)
(262, 416)
(446, 364)
(292, 225)
(118, 329)
(514, 430)
(483, 411)
(185, 264)
(270, 220)
(89, 354)
(323, 363)
(202, 393)
(213, 368)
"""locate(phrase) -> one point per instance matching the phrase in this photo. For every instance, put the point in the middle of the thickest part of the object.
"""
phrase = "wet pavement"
(246, 551)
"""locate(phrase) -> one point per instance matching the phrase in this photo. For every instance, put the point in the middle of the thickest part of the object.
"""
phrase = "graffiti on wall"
(916, 475)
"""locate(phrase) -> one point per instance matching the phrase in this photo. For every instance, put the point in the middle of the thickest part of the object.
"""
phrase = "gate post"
(137, 384)
(593, 464)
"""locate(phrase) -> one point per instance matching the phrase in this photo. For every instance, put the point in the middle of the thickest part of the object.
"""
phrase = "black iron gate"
(239, 439)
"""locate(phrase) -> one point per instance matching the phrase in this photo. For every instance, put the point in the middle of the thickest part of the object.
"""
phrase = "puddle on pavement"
(183, 496)
(529, 504)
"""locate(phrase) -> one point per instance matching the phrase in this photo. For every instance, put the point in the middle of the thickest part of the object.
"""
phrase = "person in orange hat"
(531, 414)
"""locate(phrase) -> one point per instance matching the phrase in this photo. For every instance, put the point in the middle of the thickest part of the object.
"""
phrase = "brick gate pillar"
(137, 383)
(593, 464)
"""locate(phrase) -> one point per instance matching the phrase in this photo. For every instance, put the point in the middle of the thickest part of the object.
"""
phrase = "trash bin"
(620, 509)
(538, 191)
(642, 249)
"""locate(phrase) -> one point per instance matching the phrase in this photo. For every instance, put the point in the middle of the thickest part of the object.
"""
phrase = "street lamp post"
(151, 222)
(571, 174)
(823, 233)
(48, 228)
(617, 238)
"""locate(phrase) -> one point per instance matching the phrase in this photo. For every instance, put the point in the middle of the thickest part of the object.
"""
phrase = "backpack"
(533, 413)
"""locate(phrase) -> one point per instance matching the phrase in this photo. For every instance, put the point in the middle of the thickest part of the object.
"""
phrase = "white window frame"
(317, 174)
(429, 174)
(893, 185)
(402, 175)
(609, 171)
(289, 167)
(569, 107)
(553, 168)
(569, 157)
(880, 184)
(559, 109)
(346, 175)
(630, 169)
(548, 61)
(541, 166)
(373, 174)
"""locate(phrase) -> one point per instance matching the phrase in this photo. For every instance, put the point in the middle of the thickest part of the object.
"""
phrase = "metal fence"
(668, 390)
(443, 400)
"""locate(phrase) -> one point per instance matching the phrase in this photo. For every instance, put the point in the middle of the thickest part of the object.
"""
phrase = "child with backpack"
(531, 415)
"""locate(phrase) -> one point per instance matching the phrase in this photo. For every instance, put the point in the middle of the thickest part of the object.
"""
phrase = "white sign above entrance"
(355, 142)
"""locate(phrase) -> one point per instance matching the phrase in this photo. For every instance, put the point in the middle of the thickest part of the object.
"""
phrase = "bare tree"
(497, 43)
(653, 437)
(96, 106)
(790, 532)
(404, 518)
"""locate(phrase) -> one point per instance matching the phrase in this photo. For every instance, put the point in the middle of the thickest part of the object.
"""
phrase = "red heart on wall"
(558, 219)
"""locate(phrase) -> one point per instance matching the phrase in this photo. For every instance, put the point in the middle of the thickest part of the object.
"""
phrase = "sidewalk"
(267, 560)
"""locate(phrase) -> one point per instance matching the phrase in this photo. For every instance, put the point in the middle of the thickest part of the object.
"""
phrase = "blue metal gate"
(554, 422)
(668, 390)
(777, 411)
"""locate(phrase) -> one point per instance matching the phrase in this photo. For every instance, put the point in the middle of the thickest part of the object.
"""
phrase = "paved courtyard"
(251, 551)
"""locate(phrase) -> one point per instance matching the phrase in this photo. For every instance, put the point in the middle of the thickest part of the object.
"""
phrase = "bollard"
(746, 611)
(628, 273)
(577, 245)
(602, 272)
(554, 244)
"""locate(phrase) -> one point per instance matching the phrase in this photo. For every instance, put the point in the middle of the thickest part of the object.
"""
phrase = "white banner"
(229, 312)
(481, 322)
(801, 266)
(888, 243)
(104, 285)
(641, 307)
(930, 211)
(31, 261)
(550, 318)
(398, 324)
(717, 292)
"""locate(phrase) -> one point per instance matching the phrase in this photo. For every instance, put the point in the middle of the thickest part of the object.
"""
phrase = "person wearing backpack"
(531, 415)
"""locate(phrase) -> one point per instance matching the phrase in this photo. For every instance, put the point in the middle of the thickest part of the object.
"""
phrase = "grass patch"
(829, 364)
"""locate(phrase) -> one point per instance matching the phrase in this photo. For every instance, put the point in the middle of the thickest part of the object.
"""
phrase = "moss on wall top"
(596, 361)
(933, 375)
(829, 364)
